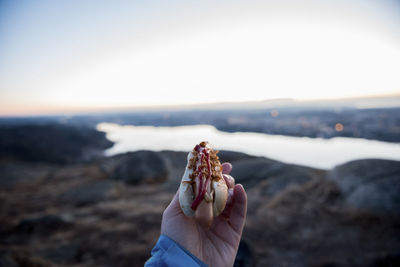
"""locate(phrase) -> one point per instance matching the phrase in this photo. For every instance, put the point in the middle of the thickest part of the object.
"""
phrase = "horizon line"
(87, 110)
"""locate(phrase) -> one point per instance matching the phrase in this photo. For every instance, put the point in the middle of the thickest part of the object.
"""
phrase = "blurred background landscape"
(100, 103)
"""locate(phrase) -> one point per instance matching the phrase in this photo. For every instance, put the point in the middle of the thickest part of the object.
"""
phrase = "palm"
(216, 246)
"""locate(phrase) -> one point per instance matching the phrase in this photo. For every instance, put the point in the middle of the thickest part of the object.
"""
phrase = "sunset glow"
(65, 57)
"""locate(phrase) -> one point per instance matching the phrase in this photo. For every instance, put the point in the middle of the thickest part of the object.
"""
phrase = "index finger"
(226, 168)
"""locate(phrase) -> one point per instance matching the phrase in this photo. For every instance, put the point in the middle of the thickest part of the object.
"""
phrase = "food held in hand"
(203, 192)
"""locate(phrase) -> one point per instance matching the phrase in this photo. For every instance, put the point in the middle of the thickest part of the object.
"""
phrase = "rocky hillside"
(107, 211)
(51, 142)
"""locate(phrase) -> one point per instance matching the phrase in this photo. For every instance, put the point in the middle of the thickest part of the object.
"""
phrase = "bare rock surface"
(51, 142)
(371, 185)
(107, 212)
(141, 167)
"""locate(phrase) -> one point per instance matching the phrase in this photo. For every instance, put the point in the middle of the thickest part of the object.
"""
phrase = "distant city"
(377, 124)
(317, 119)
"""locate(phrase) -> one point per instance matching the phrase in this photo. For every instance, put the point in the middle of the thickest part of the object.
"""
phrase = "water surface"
(314, 152)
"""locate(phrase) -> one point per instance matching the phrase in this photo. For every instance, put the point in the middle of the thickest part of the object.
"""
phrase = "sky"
(71, 56)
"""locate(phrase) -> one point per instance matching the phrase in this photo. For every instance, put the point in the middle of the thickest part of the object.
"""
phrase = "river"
(313, 152)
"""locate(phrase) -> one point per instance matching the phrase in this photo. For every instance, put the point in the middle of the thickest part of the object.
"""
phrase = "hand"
(216, 246)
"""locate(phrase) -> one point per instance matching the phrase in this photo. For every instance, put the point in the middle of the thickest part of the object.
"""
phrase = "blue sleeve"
(169, 253)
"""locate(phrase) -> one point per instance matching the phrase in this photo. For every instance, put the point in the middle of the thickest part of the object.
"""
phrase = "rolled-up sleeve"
(169, 253)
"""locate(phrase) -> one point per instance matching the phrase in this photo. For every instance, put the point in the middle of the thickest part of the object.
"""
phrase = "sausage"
(204, 213)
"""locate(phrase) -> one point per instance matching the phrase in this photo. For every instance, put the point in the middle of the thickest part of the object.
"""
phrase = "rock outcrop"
(371, 185)
(141, 167)
(53, 143)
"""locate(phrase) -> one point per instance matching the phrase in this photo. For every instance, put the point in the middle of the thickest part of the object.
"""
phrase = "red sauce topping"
(202, 187)
(197, 148)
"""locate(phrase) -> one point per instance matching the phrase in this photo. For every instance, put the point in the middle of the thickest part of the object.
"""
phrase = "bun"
(203, 192)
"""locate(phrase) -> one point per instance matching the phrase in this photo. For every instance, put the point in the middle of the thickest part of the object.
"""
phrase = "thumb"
(173, 207)
(239, 209)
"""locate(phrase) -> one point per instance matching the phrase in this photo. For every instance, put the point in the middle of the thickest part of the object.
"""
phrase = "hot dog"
(203, 192)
